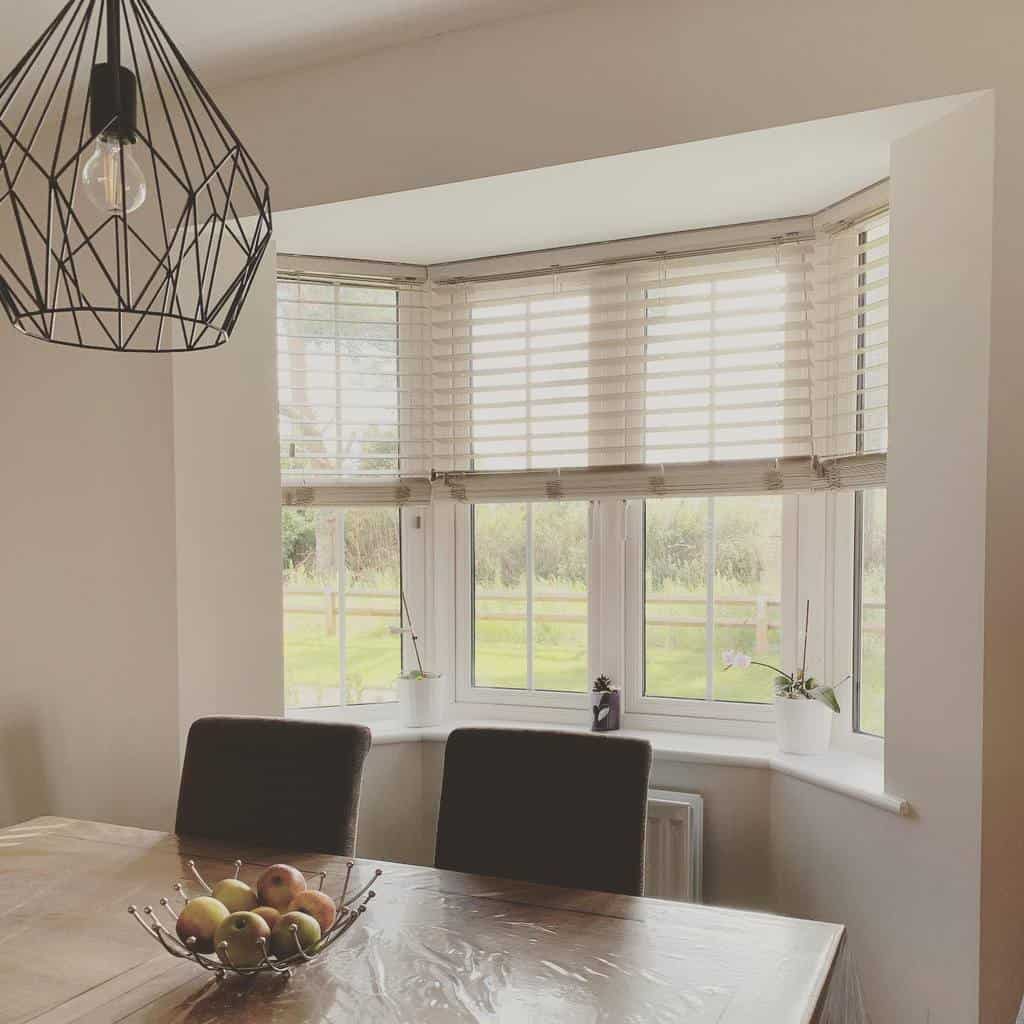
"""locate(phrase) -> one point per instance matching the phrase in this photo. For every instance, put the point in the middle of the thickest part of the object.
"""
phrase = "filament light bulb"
(112, 179)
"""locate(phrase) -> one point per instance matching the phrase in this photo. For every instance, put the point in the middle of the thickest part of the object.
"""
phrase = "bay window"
(624, 467)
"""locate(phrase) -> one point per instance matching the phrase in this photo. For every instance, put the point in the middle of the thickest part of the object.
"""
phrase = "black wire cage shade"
(132, 218)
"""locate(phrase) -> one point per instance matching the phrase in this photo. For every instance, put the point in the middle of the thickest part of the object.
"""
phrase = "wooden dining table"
(433, 946)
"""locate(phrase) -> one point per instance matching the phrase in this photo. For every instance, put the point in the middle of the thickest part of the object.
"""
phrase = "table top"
(433, 946)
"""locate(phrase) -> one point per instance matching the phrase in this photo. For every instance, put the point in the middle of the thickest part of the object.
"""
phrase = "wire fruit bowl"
(348, 910)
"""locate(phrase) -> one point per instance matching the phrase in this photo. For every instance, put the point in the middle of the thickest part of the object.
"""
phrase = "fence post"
(330, 612)
(761, 625)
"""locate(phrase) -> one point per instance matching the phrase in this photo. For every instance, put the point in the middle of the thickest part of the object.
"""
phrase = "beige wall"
(876, 873)
(88, 664)
(139, 572)
(228, 519)
(398, 803)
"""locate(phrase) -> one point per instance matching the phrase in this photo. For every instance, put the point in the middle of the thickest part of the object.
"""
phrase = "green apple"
(279, 885)
(316, 904)
(235, 895)
(237, 939)
(270, 915)
(282, 940)
(199, 920)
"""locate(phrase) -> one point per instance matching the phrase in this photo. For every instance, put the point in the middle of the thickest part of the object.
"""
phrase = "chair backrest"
(271, 782)
(559, 808)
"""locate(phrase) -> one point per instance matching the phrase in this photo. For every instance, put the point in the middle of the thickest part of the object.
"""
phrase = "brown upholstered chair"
(559, 808)
(271, 782)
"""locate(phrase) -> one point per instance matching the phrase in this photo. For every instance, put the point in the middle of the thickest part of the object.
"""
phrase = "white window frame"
(842, 582)
(414, 530)
(437, 572)
(832, 584)
(466, 690)
(694, 710)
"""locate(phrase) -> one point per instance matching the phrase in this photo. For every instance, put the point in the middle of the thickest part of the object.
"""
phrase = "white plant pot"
(420, 701)
(802, 726)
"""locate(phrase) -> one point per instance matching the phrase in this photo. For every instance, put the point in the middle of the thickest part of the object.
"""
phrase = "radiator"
(675, 841)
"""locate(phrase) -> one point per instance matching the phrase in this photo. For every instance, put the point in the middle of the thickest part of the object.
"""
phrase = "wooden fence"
(760, 612)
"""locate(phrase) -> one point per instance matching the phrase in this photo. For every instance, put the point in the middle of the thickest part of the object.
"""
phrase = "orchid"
(736, 659)
(794, 685)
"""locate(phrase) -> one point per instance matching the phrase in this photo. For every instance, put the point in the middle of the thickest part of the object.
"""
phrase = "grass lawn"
(312, 659)
(676, 661)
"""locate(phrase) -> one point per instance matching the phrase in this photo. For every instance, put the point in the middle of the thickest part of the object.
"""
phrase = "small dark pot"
(606, 711)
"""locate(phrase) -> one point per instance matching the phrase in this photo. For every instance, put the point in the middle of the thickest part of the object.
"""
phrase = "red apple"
(269, 914)
(318, 905)
(279, 885)
(200, 920)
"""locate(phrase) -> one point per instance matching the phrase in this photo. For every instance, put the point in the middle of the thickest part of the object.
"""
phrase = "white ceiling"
(781, 172)
(236, 39)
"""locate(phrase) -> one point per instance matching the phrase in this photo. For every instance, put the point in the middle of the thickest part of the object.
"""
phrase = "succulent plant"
(602, 684)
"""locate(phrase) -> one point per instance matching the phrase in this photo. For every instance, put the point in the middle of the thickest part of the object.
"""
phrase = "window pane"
(748, 593)
(675, 608)
(373, 603)
(560, 596)
(312, 657)
(746, 597)
(869, 647)
(332, 638)
(530, 605)
(339, 379)
(500, 656)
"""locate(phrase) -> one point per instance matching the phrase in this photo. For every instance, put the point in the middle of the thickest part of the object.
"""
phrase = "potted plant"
(420, 693)
(605, 706)
(803, 709)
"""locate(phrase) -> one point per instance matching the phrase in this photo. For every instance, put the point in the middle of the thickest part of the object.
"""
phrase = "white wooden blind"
(757, 369)
(697, 359)
(851, 379)
(352, 369)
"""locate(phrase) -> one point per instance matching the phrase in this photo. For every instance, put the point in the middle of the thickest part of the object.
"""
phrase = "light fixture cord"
(114, 50)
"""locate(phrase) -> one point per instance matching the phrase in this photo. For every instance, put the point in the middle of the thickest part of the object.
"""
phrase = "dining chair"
(559, 808)
(271, 782)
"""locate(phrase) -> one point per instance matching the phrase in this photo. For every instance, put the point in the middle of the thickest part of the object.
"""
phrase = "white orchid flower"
(736, 659)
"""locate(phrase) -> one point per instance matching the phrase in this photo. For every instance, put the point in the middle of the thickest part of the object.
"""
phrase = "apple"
(270, 915)
(235, 895)
(279, 885)
(237, 939)
(282, 940)
(199, 920)
(316, 904)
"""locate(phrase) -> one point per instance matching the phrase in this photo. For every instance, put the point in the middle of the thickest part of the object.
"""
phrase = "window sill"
(852, 775)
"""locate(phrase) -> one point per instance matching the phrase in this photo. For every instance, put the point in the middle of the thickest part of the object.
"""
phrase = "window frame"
(437, 567)
(840, 589)
(683, 709)
(412, 531)
(857, 633)
(466, 690)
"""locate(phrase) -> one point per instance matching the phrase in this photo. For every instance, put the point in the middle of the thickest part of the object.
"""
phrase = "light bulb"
(109, 189)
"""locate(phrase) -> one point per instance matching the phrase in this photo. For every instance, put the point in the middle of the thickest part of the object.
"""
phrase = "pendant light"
(132, 218)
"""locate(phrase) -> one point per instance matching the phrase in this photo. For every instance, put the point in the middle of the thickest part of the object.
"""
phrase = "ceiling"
(780, 172)
(228, 40)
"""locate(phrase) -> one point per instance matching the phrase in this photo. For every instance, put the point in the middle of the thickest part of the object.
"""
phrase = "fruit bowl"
(277, 952)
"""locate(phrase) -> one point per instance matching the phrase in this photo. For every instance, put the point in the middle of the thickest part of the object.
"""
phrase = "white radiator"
(675, 842)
